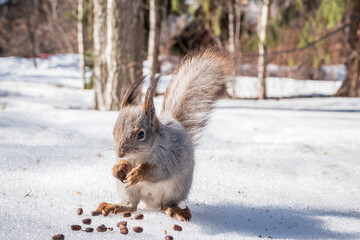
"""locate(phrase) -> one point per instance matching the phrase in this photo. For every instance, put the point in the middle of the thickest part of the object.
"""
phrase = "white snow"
(287, 169)
(248, 87)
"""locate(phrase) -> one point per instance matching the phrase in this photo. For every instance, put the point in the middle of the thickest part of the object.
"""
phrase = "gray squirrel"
(156, 153)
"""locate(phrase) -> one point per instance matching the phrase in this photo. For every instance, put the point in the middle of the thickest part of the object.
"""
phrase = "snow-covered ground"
(287, 169)
(248, 87)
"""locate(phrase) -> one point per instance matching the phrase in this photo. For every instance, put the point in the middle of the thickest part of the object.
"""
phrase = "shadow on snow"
(270, 221)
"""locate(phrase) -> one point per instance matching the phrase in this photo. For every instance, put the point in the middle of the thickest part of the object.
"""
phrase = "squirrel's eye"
(141, 135)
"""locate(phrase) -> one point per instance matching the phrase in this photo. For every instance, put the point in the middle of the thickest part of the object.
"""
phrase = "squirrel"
(156, 153)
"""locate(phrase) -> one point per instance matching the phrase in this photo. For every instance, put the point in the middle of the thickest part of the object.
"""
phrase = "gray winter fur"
(168, 143)
(196, 85)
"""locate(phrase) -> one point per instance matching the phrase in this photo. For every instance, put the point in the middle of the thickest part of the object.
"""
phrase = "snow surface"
(248, 87)
(286, 169)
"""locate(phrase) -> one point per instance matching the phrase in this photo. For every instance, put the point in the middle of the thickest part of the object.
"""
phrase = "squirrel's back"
(198, 82)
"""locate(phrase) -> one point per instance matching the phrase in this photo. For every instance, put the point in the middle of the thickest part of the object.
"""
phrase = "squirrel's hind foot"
(107, 208)
(181, 214)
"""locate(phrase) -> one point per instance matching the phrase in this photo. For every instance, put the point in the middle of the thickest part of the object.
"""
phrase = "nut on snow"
(86, 221)
(139, 217)
(89, 229)
(138, 229)
(121, 224)
(75, 227)
(124, 230)
(95, 213)
(127, 214)
(58, 237)
(177, 228)
(79, 211)
(101, 228)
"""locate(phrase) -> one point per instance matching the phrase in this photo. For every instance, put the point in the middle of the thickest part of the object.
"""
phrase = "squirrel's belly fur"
(155, 195)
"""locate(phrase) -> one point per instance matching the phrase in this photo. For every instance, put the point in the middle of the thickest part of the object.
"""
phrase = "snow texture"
(286, 169)
(248, 87)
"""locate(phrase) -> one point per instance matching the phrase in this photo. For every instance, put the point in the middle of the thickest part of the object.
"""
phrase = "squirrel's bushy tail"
(198, 82)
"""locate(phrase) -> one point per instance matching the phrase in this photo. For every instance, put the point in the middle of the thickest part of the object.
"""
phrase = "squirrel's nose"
(120, 153)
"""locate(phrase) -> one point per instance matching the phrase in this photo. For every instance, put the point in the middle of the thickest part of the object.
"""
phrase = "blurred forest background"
(298, 39)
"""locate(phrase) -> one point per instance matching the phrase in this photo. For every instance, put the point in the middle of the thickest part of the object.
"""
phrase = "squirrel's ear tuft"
(132, 92)
(149, 106)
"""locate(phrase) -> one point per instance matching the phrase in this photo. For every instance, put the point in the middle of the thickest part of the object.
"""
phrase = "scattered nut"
(86, 221)
(165, 232)
(124, 230)
(95, 213)
(110, 228)
(75, 227)
(177, 228)
(127, 214)
(58, 237)
(121, 224)
(138, 229)
(79, 211)
(168, 237)
(89, 229)
(101, 228)
(139, 217)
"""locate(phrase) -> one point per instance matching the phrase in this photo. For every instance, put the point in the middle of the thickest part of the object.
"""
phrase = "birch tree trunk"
(124, 50)
(80, 33)
(231, 27)
(351, 84)
(262, 49)
(154, 37)
(100, 64)
(232, 44)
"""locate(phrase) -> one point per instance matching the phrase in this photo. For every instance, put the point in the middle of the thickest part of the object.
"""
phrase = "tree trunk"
(262, 49)
(59, 28)
(165, 31)
(237, 21)
(31, 37)
(124, 50)
(238, 60)
(237, 31)
(80, 32)
(100, 65)
(154, 37)
(31, 30)
(351, 84)
(232, 42)
(231, 28)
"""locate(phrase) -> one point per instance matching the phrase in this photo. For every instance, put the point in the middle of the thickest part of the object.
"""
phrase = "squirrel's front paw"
(120, 170)
(133, 177)
(136, 175)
